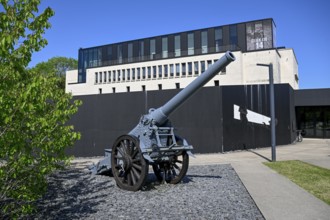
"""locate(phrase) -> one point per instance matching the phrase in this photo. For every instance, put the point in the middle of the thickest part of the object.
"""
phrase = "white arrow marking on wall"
(251, 116)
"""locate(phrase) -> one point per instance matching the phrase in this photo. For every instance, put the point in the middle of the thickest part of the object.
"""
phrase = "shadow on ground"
(72, 194)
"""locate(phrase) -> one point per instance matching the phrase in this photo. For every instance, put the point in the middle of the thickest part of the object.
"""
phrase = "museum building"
(119, 82)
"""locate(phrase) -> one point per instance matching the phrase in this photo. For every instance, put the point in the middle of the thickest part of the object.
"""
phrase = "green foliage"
(57, 65)
(314, 179)
(34, 110)
(21, 31)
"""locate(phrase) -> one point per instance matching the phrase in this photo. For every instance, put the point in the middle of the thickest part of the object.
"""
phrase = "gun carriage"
(153, 141)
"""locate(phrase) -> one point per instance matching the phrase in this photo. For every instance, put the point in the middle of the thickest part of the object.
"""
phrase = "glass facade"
(233, 38)
(314, 121)
(177, 45)
(130, 52)
(191, 44)
(120, 53)
(141, 50)
(164, 47)
(258, 35)
(152, 49)
(218, 39)
(204, 42)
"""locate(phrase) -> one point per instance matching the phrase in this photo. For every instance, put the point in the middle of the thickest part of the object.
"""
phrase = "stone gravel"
(206, 192)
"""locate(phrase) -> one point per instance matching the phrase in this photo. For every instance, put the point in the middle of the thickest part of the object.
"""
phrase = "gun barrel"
(164, 111)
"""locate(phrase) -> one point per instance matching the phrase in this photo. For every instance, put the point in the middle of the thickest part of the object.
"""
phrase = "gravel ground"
(207, 192)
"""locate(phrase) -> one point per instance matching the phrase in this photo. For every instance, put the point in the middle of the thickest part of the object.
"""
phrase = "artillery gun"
(153, 142)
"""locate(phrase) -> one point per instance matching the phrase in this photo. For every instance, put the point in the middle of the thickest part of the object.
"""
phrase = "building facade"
(173, 61)
(136, 75)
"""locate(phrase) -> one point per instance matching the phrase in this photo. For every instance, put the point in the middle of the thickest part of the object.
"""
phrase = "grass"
(314, 179)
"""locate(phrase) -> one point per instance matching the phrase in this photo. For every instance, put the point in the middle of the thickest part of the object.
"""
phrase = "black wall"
(240, 134)
(103, 118)
(205, 120)
(312, 97)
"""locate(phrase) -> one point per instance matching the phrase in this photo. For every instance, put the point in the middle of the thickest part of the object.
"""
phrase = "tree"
(57, 65)
(33, 110)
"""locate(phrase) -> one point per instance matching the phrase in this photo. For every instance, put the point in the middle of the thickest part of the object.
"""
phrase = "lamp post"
(272, 108)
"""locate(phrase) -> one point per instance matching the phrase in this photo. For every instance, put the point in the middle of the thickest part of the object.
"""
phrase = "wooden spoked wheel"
(174, 170)
(128, 165)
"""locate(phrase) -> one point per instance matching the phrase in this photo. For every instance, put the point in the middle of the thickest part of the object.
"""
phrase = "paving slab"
(275, 195)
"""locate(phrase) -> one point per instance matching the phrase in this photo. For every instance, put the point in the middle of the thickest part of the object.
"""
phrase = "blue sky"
(302, 25)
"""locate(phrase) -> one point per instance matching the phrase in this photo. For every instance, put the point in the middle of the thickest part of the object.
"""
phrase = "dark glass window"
(177, 69)
(190, 68)
(164, 47)
(218, 39)
(141, 50)
(152, 49)
(183, 69)
(196, 68)
(118, 75)
(177, 45)
(81, 67)
(123, 72)
(128, 74)
(149, 72)
(166, 71)
(138, 73)
(202, 66)
(171, 70)
(204, 41)
(110, 55)
(130, 52)
(233, 37)
(154, 72)
(209, 63)
(120, 53)
(86, 59)
(100, 77)
(143, 72)
(191, 44)
(133, 74)
(160, 72)
(109, 76)
(114, 76)
(94, 57)
(90, 58)
(96, 77)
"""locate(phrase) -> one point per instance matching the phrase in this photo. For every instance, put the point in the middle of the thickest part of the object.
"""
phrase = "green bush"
(34, 111)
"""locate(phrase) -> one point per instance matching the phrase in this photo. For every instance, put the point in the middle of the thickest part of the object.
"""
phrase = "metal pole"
(272, 112)
(272, 109)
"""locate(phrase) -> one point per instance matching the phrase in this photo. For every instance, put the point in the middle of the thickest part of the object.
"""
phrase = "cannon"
(153, 142)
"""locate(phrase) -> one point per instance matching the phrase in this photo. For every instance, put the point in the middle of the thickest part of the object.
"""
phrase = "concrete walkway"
(276, 196)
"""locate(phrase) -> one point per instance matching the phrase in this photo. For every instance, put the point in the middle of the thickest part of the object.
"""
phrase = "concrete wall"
(243, 71)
